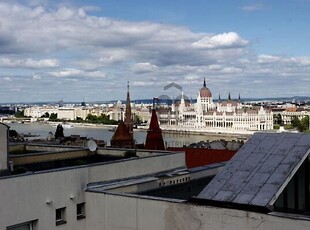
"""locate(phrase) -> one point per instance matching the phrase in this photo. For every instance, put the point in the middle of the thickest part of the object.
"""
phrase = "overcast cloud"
(66, 53)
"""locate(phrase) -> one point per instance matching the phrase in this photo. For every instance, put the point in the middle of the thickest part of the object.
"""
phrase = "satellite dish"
(92, 146)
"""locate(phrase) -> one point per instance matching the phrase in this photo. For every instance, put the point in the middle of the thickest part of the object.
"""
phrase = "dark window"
(295, 196)
(23, 226)
(80, 211)
(61, 216)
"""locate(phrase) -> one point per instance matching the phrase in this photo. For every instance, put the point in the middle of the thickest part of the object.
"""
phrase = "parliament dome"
(204, 91)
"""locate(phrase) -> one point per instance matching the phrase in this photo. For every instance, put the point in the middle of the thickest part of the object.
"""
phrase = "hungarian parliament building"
(224, 116)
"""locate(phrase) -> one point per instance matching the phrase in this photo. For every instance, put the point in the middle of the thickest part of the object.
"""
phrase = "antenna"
(92, 146)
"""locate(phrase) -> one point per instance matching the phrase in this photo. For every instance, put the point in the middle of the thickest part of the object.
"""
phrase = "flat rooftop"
(181, 184)
(39, 157)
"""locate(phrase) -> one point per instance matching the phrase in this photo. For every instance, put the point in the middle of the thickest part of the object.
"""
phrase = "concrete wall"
(49, 148)
(136, 167)
(139, 152)
(3, 147)
(44, 148)
(44, 157)
(108, 212)
(23, 198)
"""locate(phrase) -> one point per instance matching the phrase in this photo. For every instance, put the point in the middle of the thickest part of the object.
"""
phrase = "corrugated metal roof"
(260, 170)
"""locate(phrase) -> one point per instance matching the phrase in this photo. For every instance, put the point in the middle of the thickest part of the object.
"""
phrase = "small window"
(60, 216)
(80, 211)
(23, 226)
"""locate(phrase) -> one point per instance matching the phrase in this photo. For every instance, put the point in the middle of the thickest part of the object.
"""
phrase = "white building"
(266, 186)
(54, 197)
(67, 113)
(39, 111)
(227, 116)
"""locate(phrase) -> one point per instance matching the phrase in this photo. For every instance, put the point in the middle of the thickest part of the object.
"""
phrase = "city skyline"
(88, 50)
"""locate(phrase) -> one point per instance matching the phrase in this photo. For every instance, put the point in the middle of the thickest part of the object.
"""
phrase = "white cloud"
(146, 67)
(303, 61)
(231, 70)
(77, 73)
(254, 7)
(28, 63)
(292, 61)
(267, 59)
(80, 50)
(225, 40)
(36, 76)
(7, 79)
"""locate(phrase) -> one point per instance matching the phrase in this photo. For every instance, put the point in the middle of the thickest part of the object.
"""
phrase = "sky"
(72, 50)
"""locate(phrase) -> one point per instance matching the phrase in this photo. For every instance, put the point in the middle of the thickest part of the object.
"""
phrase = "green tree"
(295, 122)
(137, 119)
(19, 114)
(302, 125)
(102, 119)
(45, 115)
(278, 119)
(53, 117)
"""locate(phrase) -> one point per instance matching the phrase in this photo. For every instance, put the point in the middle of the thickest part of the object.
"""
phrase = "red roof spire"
(154, 138)
(123, 136)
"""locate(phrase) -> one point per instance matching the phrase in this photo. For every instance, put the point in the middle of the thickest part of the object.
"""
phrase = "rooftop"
(260, 171)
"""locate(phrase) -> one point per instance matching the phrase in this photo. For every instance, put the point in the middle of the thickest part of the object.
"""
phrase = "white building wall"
(36, 112)
(66, 113)
(81, 112)
(24, 198)
(134, 167)
(109, 212)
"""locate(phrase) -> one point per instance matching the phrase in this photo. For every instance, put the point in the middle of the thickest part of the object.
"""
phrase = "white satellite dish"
(92, 146)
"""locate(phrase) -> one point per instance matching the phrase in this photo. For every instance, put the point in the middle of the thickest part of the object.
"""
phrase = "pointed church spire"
(239, 98)
(154, 139)
(128, 119)
(204, 82)
(229, 98)
(219, 97)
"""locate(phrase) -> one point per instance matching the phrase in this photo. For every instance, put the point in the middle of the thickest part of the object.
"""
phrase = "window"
(23, 226)
(61, 216)
(80, 211)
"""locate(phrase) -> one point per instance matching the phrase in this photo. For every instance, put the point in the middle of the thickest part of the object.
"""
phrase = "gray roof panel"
(259, 170)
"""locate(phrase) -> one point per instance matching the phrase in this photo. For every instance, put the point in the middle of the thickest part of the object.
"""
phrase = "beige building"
(291, 112)
(72, 113)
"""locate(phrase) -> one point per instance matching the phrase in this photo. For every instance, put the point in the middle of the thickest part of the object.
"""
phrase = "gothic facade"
(221, 116)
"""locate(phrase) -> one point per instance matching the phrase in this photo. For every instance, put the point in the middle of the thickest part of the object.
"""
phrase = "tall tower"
(154, 139)
(123, 136)
(128, 118)
(205, 97)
